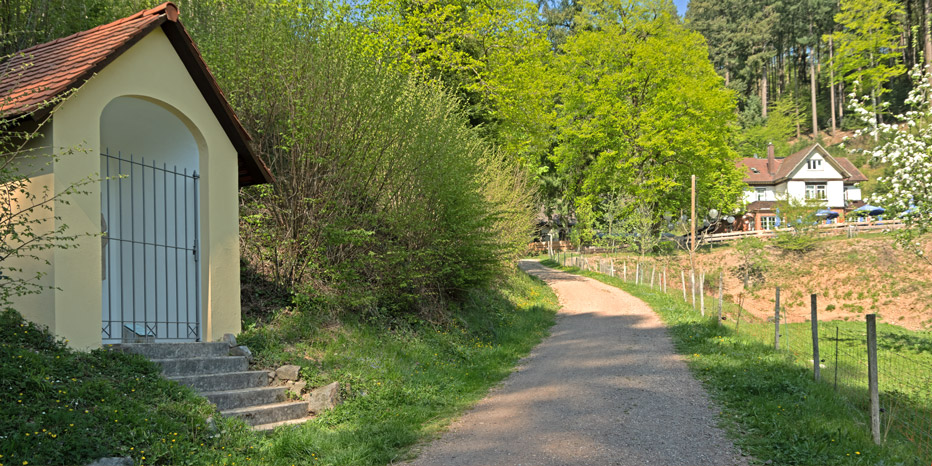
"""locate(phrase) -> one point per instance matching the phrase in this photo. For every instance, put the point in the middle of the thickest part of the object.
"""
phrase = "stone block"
(114, 461)
(288, 372)
(229, 339)
(324, 398)
(241, 350)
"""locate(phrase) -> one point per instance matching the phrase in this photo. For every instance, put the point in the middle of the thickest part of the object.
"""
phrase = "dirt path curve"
(605, 388)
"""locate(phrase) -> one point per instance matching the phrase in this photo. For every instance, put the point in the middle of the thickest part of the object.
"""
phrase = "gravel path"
(605, 388)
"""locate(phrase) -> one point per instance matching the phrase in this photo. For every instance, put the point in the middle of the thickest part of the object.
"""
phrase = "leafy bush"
(383, 192)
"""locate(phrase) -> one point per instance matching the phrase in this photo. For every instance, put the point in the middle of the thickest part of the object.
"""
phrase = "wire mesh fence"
(904, 360)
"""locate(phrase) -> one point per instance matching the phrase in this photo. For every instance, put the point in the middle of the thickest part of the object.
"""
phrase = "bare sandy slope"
(605, 388)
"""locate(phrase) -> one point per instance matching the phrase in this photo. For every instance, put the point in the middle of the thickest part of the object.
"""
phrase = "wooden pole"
(683, 278)
(626, 271)
(692, 228)
(776, 320)
(872, 376)
(721, 294)
(652, 276)
(831, 81)
(702, 293)
(816, 369)
(692, 285)
(664, 279)
(637, 273)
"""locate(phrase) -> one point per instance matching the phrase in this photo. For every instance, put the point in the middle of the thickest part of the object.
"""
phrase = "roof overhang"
(252, 170)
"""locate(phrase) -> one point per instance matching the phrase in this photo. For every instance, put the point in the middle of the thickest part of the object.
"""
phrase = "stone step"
(270, 413)
(175, 350)
(202, 366)
(274, 425)
(220, 382)
(235, 399)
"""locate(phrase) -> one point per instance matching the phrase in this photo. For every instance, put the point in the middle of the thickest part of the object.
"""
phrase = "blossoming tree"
(906, 146)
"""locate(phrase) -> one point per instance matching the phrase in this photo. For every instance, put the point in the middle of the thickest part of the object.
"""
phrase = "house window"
(768, 223)
(760, 193)
(815, 191)
(814, 164)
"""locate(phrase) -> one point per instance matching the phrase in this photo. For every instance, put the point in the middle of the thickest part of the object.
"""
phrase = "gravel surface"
(605, 388)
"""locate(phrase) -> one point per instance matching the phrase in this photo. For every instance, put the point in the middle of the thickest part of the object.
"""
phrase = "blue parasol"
(827, 214)
(871, 210)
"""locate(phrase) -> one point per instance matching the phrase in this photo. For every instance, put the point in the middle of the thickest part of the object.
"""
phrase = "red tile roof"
(786, 166)
(856, 175)
(36, 75)
(760, 165)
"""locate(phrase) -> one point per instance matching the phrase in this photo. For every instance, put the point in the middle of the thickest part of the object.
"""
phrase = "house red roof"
(755, 170)
(33, 76)
(856, 175)
(756, 173)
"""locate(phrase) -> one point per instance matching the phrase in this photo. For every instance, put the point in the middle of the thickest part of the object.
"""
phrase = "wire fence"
(903, 406)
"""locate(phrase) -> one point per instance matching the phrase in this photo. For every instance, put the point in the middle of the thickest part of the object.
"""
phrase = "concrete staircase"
(224, 380)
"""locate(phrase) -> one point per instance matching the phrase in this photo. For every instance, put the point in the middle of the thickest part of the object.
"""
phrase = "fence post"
(637, 273)
(721, 294)
(836, 357)
(652, 276)
(612, 266)
(692, 285)
(872, 376)
(626, 271)
(776, 320)
(702, 293)
(816, 369)
(683, 278)
(664, 278)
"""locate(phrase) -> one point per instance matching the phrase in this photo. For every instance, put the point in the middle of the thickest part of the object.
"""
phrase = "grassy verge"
(60, 406)
(770, 405)
(403, 381)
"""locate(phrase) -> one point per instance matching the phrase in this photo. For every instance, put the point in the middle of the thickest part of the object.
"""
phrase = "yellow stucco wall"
(151, 70)
(35, 165)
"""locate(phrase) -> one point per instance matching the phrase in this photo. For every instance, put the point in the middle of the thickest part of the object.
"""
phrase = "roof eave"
(252, 169)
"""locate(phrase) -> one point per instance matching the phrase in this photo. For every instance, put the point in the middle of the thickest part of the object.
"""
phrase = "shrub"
(384, 194)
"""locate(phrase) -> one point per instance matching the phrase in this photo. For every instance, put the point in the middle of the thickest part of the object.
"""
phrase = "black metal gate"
(149, 245)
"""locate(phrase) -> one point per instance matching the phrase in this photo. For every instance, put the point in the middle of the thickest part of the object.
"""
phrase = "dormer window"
(754, 170)
(814, 164)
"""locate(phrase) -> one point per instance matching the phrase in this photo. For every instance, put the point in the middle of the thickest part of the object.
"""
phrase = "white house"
(142, 113)
(811, 174)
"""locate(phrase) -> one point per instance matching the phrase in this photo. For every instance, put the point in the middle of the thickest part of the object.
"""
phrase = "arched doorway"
(150, 219)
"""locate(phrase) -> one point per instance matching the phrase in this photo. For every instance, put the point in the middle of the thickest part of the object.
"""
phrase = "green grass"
(770, 404)
(60, 406)
(403, 381)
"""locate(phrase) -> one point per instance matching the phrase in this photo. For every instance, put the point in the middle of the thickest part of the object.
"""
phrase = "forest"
(417, 144)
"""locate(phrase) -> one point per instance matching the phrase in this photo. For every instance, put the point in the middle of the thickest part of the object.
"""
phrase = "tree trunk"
(831, 82)
(874, 103)
(909, 52)
(926, 37)
(763, 94)
(813, 84)
(841, 100)
(796, 104)
(781, 76)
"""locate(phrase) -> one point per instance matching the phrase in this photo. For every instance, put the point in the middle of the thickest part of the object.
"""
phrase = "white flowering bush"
(905, 145)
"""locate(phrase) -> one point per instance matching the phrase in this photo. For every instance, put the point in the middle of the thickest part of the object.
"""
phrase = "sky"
(681, 6)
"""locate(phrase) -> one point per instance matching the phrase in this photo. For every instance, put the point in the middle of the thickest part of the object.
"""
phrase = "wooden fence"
(850, 228)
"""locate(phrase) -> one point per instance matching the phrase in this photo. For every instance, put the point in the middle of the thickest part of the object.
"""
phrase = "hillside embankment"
(851, 276)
